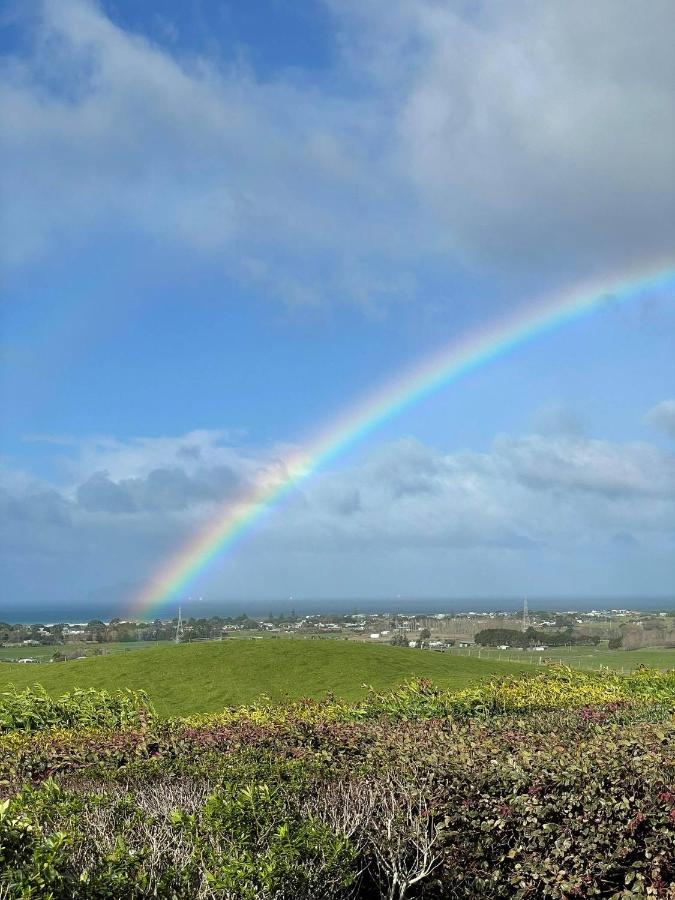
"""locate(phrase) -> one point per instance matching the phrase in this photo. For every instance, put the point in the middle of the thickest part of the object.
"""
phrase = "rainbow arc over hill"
(238, 517)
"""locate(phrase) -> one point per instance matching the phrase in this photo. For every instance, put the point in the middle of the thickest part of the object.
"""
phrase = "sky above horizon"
(223, 223)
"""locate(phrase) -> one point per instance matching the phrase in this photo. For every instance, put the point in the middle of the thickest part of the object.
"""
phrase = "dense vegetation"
(511, 637)
(206, 677)
(34, 710)
(558, 785)
(118, 630)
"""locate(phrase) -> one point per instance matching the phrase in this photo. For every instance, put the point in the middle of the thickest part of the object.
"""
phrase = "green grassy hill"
(195, 678)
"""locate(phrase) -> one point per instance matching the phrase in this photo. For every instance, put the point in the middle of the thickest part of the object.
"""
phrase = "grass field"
(86, 649)
(582, 657)
(193, 678)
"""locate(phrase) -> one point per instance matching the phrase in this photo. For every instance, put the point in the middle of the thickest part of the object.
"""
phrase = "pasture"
(200, 678)
(581, 657)
(88, 648)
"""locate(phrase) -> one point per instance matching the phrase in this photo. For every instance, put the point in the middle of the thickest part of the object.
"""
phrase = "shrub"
(33, 709)
(558, 786)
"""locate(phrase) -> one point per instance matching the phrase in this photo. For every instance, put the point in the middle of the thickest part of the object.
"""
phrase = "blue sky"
(224, 222)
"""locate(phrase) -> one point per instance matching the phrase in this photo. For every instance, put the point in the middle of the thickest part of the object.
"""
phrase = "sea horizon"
(261, 607)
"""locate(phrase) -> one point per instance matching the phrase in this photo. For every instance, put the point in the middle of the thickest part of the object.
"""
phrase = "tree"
(422, 642)
(495, 637)
(399, 640)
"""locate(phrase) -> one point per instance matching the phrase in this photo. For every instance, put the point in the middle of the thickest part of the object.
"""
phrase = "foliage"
(32, 709)
(495, 637)
(238, 840)
(559, 785)
(564, 688)
(400, 639)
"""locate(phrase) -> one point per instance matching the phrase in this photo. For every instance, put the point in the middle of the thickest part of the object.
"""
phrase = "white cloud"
(541, 134)
(137, 457)
(662, 416)
(112, 133)
(528, 505)
(592, 466)
(555, 418)
(528, 136)
(562, 492)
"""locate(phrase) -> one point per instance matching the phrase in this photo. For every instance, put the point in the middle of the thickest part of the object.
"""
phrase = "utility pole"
(179, 627)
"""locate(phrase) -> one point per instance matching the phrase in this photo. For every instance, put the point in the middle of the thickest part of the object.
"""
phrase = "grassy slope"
(206, 677)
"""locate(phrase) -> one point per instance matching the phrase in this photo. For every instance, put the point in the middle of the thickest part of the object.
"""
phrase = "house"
(71, 632)
(375, 636)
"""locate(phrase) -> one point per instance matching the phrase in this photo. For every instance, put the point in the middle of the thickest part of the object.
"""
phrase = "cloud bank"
(529, 499)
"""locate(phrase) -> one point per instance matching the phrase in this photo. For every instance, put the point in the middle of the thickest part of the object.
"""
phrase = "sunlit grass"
(193, 678)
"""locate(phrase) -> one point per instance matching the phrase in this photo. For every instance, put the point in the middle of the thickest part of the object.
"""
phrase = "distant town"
(533, 630)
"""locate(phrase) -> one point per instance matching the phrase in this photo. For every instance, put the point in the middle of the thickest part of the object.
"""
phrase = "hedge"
(418, 794)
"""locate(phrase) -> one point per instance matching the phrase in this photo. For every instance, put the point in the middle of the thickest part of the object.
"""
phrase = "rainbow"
(474, 350)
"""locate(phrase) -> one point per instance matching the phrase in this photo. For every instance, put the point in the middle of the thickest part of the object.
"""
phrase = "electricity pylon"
(526, 616)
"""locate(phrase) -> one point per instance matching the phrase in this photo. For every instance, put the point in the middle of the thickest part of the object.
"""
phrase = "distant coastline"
(256, 607)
